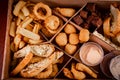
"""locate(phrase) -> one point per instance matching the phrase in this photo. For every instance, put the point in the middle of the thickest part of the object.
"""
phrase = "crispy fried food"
(26, 22)
(18, 21)
(115, 28)
(39, 13)
(46, 73)
(59, 60)
(29, 27)
(106, 28)
(21, 44)
(34, 69)
(52, 22)
(12, 29)
(36, 59)
(21, 15)
(22, 52)
(73, 38)
(35, 41)
(42, 50)
(36, 28)
(46, 32)
(17, 40)
(22, 64)
(84, 35)
(67, 12)
(82, 67)
(28, 34)
(25, 39)
(70, 48)
(25, 11)
(54, 70)
(77, 74)
(61, 39)
(68, 73)
(18, 7)
(69, 29)
(12, 47)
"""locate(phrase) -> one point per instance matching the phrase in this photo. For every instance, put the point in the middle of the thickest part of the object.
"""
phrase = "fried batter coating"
(73, 38)
(69, 29)
(70, 48)
(54, 70)
(77, 74)
(61, 39)
(67, 73)
(82, 67)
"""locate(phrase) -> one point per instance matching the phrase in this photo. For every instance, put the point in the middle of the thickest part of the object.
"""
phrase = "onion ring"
(40, 15)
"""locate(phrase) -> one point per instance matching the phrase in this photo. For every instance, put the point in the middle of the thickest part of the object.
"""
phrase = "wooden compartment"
(68, 59)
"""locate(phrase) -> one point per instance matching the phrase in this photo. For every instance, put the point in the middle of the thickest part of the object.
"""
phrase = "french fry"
(29, 34)
(25, 39)
(36, 28)
(27, 21)
(21, 15)
(25, 11)
(21, 44)
(34, 41)
(29, 27)
(17, 40)
(18, 21)
(12, 29)
(12, 46)
(18, 7)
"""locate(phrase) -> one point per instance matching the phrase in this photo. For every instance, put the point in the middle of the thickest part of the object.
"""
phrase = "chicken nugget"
(70, 48)
(73, 38)
(61, 39)
(69, 29)
(84, 35)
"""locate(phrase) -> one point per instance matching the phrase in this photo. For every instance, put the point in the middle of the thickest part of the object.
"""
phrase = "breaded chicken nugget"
(73, 38)
(69, 29)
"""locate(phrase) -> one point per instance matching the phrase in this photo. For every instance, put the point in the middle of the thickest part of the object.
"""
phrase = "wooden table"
(3, 21)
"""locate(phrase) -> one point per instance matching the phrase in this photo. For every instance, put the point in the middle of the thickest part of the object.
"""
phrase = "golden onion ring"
(40, 14)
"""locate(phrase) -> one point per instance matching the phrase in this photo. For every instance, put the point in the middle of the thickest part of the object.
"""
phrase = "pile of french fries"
(24, 28)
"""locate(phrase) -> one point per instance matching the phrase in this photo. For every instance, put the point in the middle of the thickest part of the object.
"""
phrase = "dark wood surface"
(3, 21)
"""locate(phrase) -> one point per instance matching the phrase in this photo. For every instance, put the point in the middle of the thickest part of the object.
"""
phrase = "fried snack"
(106, 28)
(67, 12)
(84, 35)
(36, 59)
(61, 39)
(21, 44)
(42, 50)
(73, 38)
(17, 40)
(25, 11)
(18, 21)
(115, 28)
(22, 52)
(28, 34)
(68, 73)
(70, 48)
(46, 73)
(29, 27)
(22, 64)
(39, 13)
(46, 32)
(59, 60)
(25, 39)
(54, 70)
(18, 7)
(82, 67)
(36, 28)
(52, 22)
(12, 29)
(77, 74)
(21, 15)
(12, 47)
(34, 69)
(35, 41)
(26, 22)
(69, 29)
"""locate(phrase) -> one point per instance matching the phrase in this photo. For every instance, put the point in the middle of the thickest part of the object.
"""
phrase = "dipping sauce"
(115, 67)
(91, 54)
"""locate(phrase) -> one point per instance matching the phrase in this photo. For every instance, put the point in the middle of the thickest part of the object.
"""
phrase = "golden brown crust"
(73, 38)
(68, 73)
(55, 70)
(22, 64)
(69, 29)
(61, 39)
